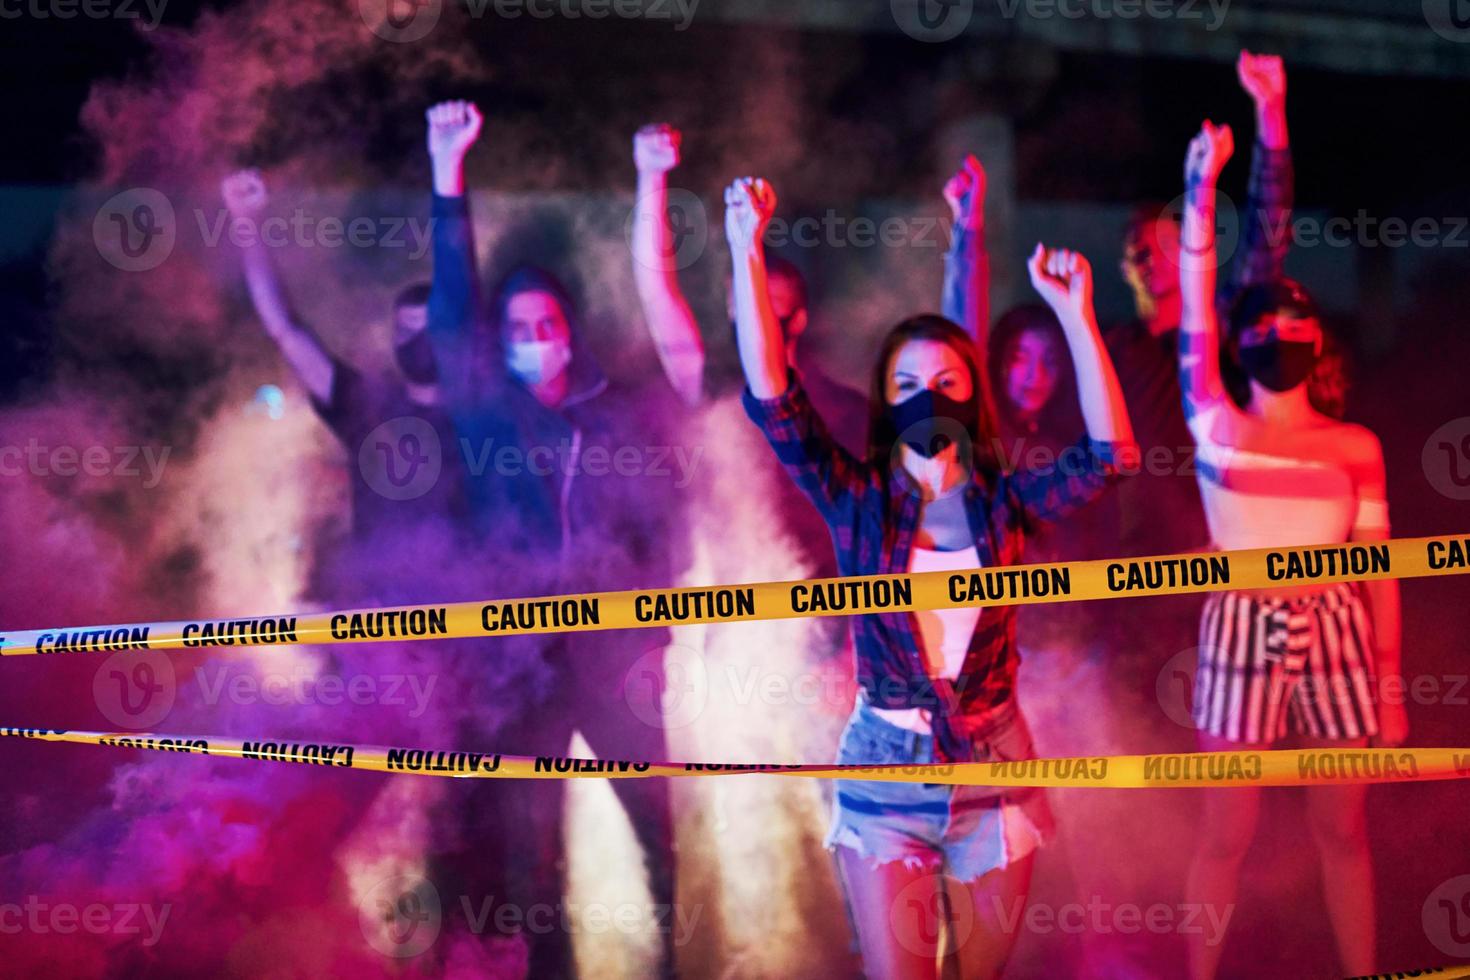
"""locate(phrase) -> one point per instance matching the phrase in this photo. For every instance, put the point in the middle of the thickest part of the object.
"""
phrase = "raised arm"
(749, 204)
(1199, 326)
(454, 301)
(1265, 233)
(966, 298)
(1064, 280)
(656, 266)
(246, 198)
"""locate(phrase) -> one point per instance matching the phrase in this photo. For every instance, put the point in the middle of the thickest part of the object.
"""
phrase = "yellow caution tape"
(1444, 972)
(1281, 767)
(1261, 568)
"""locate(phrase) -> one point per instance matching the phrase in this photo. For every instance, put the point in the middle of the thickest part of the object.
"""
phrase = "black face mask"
(1280, 365)
(929, 421)
(415, 358)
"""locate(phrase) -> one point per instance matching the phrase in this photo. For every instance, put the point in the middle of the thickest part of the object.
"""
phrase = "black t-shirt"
(403, 458)
(1159, 508)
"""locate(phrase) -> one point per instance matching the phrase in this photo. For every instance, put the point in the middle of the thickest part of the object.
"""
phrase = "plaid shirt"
(1265, 225)
(872, 512)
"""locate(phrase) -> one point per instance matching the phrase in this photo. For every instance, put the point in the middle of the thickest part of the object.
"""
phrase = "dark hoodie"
(544, 482)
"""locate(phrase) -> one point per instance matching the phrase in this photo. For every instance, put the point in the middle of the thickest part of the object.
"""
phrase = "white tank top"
(944, 634)
(1263, 500)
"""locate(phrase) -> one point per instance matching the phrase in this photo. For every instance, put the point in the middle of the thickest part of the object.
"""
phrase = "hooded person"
(564, 480)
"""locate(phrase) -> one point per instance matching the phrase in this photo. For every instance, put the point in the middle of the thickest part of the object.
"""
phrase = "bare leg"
(1339, 820)
(900, 916)
(998, 900)
(1228, 823)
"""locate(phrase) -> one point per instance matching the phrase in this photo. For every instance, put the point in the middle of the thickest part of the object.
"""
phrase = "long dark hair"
(1061, 416)
(928, 326)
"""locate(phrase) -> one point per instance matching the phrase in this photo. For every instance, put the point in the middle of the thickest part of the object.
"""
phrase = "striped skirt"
(1262, 660)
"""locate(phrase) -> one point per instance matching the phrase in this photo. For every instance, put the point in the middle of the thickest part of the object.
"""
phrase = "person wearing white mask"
(566, 484)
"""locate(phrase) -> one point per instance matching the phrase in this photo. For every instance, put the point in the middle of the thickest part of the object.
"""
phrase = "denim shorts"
(964, 831)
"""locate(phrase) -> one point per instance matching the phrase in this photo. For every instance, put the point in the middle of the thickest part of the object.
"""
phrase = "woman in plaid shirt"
(934, 686)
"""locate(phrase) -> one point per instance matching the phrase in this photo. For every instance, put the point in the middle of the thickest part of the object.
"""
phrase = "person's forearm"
(1383, 602)
(454, 294)
(1199, 358)
(966, 295)
(762, 354)
(1101, 396)
(302, 350)
(448, 175)
(670, 320)
(1271, 124)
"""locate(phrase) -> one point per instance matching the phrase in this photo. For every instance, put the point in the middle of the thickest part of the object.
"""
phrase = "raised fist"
(1063, 278)
(965, 192)
(1208, 151)
(749, 204)
(453, 128)
(656, 148)
(244, 194)
(1263, 77)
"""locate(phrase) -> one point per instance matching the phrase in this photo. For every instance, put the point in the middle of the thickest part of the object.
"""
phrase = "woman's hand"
(656, 149)
(749, 204)
(453, 128)
(245, 195)
(1393, 724)
(1211, 147)
(1063, 278)
(965, 193)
